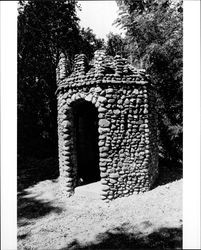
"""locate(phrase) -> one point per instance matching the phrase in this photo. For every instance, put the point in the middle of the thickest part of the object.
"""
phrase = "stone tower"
(107, 126)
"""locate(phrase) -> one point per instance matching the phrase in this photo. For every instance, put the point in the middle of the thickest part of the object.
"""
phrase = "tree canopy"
(153, 41)
(116, 45)
(45, 29)
(154, 34)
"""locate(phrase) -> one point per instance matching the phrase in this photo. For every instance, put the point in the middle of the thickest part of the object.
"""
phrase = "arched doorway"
(85, 117)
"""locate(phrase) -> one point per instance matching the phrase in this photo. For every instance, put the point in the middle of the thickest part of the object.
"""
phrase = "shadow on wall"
(164, 238)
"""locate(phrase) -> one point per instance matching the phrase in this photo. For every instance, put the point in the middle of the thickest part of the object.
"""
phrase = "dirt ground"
(152, 220)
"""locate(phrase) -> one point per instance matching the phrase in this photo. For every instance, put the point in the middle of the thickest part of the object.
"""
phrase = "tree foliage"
(153, 41)
(116, 45)
(89, 42)
(45, 29)
(154, 33)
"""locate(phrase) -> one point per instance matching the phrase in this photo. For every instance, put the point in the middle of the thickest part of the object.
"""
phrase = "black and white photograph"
(99, 128)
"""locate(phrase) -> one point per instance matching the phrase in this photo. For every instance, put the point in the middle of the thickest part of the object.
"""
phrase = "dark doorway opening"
(86, 140)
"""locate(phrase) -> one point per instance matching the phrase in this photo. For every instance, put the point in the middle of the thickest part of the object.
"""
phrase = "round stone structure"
(107, 126)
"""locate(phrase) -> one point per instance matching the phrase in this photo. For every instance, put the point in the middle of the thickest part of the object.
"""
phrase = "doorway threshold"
(94, 187)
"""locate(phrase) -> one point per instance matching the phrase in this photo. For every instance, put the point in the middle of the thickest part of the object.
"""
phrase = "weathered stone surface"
(102, 99)
(101, 143)
(109, 91)
(127, 127)
(114, 175)
(102, 110)
(66, 124)
(103, 175)
(104, 188)
(104, 123)
(98, 89)
(117, 111)
(103, 130)
(104, 149)
(113, 181)
(103, 155)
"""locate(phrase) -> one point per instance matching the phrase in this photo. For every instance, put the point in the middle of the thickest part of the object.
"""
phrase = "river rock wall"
(127, 124)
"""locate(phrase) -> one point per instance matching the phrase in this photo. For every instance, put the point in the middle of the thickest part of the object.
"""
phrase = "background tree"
(116, 45)
(89, 42)
(45, 29)
(154, 33)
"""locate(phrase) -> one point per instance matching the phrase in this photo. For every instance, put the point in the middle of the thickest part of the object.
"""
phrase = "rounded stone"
(101, 115)
(103, 130)
(109, 90)
(104, 187)
(102, 110)
(111, 100)
(104, 149)
(89, 97)
(113, 181)
(66, 124)
(114, 175)
(103, 173)
(116, 111)
(102, 99)
(101, 137)
(101, 143)
(113, 127)
(98, 89)
(103, 197)
(103, 155)
(103, 169)
(104, 123)
(126, 101)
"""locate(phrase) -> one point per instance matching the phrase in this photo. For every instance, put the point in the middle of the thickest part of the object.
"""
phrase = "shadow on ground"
(31, 172)
(168, 172)
(31, 208)
(164, 238)
(22, 237)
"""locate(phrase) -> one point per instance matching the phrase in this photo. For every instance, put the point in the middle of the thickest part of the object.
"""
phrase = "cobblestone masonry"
(127, 124)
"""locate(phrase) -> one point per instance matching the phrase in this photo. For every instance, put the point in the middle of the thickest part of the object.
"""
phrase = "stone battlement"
(103, 70)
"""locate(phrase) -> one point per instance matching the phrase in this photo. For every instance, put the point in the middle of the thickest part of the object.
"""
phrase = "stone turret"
(107, 127)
